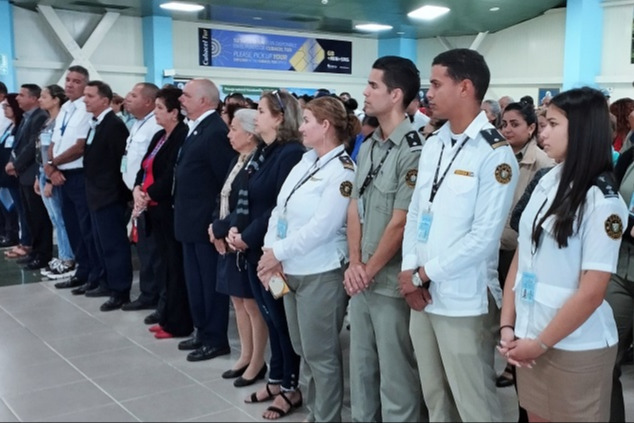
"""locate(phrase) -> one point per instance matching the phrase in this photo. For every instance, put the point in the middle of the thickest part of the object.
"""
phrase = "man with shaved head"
(201, 168)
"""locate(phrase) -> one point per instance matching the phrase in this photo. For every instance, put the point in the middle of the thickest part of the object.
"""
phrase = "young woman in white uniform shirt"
(307, 236)
(555, 325)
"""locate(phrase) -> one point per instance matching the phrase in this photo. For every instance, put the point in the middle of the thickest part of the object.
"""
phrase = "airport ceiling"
(467, 17)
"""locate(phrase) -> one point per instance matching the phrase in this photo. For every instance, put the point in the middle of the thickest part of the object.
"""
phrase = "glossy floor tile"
(61, 359)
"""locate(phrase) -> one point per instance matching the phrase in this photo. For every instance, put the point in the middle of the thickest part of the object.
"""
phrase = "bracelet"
(507, 326)
(541, 344)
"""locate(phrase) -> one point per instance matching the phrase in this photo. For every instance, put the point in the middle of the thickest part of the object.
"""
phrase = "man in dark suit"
(201, 168)
(106, 193)
(22, 164)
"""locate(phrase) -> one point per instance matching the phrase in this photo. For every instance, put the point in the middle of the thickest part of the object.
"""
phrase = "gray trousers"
(384, 385)
(456, 356)
(620, 296)
(315, 309)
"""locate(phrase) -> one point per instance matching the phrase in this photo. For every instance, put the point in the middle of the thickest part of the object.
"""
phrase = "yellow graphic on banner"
(308, 57)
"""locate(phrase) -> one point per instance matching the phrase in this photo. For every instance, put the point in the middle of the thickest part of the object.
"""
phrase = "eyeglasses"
(276, 93)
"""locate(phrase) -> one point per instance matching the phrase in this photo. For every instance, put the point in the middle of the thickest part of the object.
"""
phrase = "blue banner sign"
(273, 52)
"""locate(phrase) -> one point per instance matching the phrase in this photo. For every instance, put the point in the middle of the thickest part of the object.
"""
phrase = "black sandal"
(254, 396)
(506, 378)
(281, 413)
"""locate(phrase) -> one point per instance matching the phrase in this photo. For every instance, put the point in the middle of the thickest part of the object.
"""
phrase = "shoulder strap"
(606, 183)
(493, 137)
(346, 161)
(414, 141)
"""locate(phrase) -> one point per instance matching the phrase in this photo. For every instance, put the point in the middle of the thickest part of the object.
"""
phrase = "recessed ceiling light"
(428, 13)
(257, 18)
(494, 9)
(372, 27)
(400, 33)
(182, 7)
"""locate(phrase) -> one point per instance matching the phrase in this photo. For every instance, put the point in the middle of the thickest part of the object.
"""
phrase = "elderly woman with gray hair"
(493, 111)
(232, 277)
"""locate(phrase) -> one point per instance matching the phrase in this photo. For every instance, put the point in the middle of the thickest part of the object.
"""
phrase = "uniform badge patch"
(347, 162)
(503, 173)
(614, 226)
(345, 188)
(410, 177)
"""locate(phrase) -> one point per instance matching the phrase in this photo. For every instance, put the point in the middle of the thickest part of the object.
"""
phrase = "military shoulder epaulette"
(414, 141)
(606, 183)
(493, 137)
(347, 162)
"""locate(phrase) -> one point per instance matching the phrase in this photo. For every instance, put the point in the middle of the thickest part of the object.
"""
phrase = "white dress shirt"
(594, 246)
(141, 134)
(315, 239)
(72, 123)
(469, 211)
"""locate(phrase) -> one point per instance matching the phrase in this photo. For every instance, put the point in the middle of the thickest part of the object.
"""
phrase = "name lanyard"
(66, 121)
(437, 183)
(308, 175)
(535, 245)
(132, 135)
(373, 172)
(6, 134)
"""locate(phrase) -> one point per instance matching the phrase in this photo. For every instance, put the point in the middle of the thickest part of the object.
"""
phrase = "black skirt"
(232, 276)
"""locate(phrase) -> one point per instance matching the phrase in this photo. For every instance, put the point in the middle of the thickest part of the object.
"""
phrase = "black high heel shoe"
(240, 382)
(232, 374)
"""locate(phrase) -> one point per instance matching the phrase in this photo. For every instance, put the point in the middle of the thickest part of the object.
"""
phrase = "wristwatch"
(416, 280)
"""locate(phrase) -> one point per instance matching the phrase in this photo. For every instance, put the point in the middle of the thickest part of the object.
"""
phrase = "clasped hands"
(141, 201)
(416, 297)
(268, 266)
(520, 352)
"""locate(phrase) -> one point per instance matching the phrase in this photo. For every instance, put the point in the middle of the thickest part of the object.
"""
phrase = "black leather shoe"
(114, 303)
(81, 290)
(138, 305)
(232, 374)
(35, 264)
(98, 292)
(189, 344)
(6, 242)
(71, 283)
(240, 382)
(207, 352)
(152, 319)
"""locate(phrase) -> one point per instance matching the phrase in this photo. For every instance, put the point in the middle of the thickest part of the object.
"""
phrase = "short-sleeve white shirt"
(141, 133)
(72, 123)
(593, 246)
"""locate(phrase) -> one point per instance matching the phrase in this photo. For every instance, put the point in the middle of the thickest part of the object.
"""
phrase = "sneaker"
(62, 270)
(51, 265)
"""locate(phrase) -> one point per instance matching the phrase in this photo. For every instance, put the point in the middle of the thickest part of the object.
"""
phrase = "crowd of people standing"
(445, 236)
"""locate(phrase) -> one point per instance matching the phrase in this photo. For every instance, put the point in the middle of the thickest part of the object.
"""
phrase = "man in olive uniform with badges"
(467, 176)
(383, 381)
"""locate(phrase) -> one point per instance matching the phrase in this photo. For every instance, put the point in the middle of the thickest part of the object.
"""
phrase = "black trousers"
(174, 308)
(153, 269)
(39, 224)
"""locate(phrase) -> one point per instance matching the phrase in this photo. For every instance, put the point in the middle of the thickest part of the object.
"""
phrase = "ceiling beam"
(80, 55)
(475, 45)
(445, 43)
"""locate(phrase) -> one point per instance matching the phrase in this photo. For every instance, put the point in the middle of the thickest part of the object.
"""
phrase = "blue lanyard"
(65, 121)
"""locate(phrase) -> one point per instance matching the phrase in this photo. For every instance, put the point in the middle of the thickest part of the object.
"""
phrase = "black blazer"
(264, 186)
(201, 167)
(163, 165)
(23, 154)
(102, 164)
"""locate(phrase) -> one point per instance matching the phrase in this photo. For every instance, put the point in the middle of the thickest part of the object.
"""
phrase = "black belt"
(75, 171)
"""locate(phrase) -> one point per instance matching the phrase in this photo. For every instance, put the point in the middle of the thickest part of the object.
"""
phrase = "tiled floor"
(61, 359)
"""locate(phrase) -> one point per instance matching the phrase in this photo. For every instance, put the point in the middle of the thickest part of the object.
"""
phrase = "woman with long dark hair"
(556, 326)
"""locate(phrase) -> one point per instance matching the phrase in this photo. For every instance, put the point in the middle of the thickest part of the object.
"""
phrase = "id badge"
(282, 227)
(360, 209)
(631, 208)
(124, 163)
(9, 142)
(527, 293)
(45, 139)
(424, 226)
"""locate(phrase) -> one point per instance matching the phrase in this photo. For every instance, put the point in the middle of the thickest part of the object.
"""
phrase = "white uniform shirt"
(141, 133)
(72, 123)
(469, 212)
(595, 246)
(315, 214)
